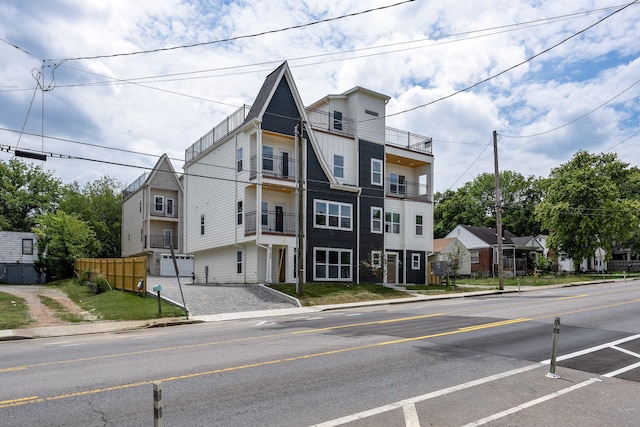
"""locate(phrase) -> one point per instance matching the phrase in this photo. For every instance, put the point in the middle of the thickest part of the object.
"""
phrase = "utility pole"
(300, 266)
(498, 213)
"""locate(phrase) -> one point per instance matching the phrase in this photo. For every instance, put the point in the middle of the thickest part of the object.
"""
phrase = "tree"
(99, 205)
(25, 193)
(590, 202)
(61, 239)
(474, 204)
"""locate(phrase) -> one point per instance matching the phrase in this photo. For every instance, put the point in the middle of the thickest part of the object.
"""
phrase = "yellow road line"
(572, 297)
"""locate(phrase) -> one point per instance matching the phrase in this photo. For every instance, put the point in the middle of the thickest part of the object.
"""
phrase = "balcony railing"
(273, 222)
(275, 167)
(221, 130)
(135, 185)
(160, 241)
(323, 120)
(404, 139)
(407, 189)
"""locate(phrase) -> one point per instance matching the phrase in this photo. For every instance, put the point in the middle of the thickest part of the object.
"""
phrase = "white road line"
(593, 349)
(624, 350)
(531, 403)
(422, 398)
(411, 415)
(622, 370)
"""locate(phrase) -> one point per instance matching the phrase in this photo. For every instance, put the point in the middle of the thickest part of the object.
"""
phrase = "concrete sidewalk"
(232, 311)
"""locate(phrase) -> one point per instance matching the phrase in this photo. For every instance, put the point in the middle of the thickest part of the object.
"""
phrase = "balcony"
(408, 140)
(273, 222)
(324, 121)
(165, 242)
(282, 167)
(406, 189)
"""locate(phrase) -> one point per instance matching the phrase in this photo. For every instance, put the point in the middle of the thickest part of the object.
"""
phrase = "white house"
(18, 255)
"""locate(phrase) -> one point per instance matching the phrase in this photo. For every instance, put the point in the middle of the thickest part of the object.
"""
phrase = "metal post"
(159, 304)
(498, 212)
(157, 404)
(554, 349)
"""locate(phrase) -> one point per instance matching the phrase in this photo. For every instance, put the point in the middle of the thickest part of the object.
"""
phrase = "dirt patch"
(42, 315)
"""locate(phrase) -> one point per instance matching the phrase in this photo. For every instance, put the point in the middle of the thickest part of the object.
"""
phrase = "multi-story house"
(152, 220)
(365, 188)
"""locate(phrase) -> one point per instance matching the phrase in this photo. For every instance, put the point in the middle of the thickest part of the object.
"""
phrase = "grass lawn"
(540, 280)
(116, 304)
(337, 293)
(14, 313)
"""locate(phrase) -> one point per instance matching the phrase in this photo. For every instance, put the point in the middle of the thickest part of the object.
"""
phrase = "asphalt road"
(472, 361)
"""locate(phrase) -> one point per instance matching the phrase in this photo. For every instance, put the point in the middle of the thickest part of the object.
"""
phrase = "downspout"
(235, 234)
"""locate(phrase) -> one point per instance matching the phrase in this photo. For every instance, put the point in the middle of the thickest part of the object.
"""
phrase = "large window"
(376, 219)
(376, 172)
(332, 215)
(331, 264)
(158, 205)
(475, 256)
(397, 184)
(337, 120)
(419, 226)
(267, 158)
(169, 207)
(27, 246)
(392, 223)
(239, 209)
(338, 166)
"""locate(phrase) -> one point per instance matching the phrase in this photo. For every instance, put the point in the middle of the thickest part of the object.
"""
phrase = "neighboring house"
(624, 258)
(518, 253)
(565, 263)
(152, 220)
(448, 250)
(18, 255)
(367, 191)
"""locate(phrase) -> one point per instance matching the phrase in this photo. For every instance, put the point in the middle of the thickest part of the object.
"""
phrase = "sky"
(106, 87)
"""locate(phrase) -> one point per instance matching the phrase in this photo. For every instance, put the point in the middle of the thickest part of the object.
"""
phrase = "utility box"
(439, 268)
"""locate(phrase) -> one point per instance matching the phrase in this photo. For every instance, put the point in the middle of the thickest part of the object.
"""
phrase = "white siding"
(11, 247)
(368, 128)
(467, 239)
(132, 218)
(331, 144)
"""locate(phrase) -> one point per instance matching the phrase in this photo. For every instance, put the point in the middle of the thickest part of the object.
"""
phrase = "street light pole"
(498, 213)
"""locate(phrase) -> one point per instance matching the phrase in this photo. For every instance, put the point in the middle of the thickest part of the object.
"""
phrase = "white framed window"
(202, 224)
(419, 225)
(331, 264)
(140, 208)
(376, 172)
(170, 203)
(475, 256)
(332, 215)
(239, 262)
(239, 159)
(338, 166)
(376, 219)
(415, 261)
(397, 184)
(239, 209)
(376, 259)
(158, 204)
(267, 158)
(265, 213)
(392, 223)
(337, 120)
(27, 246)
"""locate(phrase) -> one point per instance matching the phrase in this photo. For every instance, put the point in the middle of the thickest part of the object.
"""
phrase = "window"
(415, 261)
(475, 256)
(332, 264)
(168, 238)
(371, 113)
(265, 213)
(267, 158)
(332, 215)
(27, 246)
(337, 120)
(392, 223)
(397, 184)
(239, 159)
(158, 205)
(239, 262)
(169, 207)
(376, 172)
(419, 226)
(338, 166)
(140, 206)
(202, 224)
(376, 259)
(240, 212)
(376, 219)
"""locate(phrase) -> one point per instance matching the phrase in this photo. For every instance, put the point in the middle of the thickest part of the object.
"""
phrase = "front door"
(168, 240)
(279, 219)
(284, 167)
(392, 268)
(282, 271)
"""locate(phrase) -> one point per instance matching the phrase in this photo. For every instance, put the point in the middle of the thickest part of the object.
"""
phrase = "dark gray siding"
(282, 114)
(417, 277)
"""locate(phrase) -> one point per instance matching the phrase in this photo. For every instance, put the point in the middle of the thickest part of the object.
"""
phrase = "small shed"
(18, 257)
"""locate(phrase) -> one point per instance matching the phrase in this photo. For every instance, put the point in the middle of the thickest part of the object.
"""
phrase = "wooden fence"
(121, 273)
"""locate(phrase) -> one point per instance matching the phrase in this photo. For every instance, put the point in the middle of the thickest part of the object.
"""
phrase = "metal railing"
(161, 241)
(271, 221)
(323, 120)
(407, 189)
(221, 130)
(275, 167)
(135, 185)
(411, 141)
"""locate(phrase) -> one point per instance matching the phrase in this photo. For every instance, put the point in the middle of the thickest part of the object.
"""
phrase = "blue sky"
(123, 111)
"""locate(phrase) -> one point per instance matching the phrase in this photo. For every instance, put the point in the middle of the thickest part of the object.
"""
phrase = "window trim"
(171, 211)
(337, 120)
(474, 254)
(416, 258)
(268, 157)
(239, 262)
(375, 173)
(376, 259)
(389, 224)
(379, 220)
(338, 167)
(239, 159)
(420, 226)
(29, 249)
(328, 265)
(327, 215)
(155, 203)
(239, 212)
(202, 225)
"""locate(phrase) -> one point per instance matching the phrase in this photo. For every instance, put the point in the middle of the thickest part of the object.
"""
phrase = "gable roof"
(440, 244)
(489, 235)
(264, 95)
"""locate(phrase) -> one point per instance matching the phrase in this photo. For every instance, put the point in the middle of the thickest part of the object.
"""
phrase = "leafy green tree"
(590, 202)
(26, 192)
(62, 238)
(474, 204)
(99, 205)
